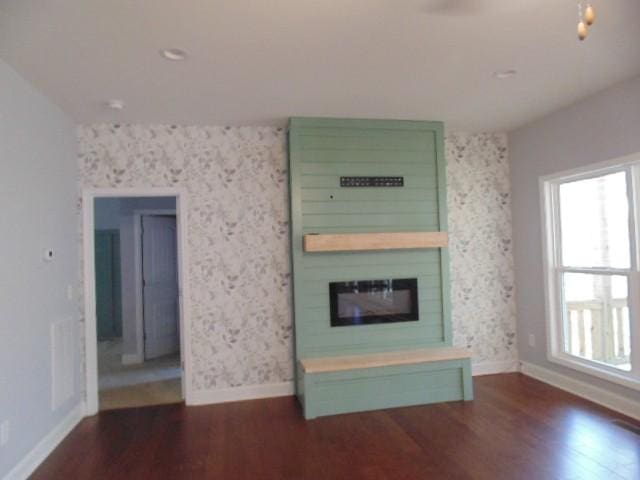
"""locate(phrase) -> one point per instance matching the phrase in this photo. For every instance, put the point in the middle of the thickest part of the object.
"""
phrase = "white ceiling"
(257, 62)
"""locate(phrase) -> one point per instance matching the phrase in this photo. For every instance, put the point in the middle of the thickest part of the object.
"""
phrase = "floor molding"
(233, 394)
(41, 451)
(492, 368)
(597, 395)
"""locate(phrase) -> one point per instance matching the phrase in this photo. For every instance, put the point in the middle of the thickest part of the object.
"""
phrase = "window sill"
(595, 369)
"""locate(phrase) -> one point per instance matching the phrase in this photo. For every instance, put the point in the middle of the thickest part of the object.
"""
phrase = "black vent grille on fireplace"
(372, 181)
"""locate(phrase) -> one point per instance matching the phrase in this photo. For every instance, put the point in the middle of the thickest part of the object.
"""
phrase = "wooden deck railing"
(597, 333)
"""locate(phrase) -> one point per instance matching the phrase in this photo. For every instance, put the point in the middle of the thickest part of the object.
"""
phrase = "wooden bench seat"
(352, 362)
(341, 384)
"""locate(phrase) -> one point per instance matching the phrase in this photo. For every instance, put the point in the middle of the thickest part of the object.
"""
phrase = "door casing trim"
(89, 196)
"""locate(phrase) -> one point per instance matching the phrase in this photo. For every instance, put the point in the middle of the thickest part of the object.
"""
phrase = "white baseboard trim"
(233, 394)
(131, 358)
(41, 451)
(594, 394)
(492, 368)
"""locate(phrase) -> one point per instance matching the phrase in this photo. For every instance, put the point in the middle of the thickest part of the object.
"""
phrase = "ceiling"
(257, 62)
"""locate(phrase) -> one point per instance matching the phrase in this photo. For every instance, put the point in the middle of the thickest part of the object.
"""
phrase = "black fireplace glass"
(365, 302)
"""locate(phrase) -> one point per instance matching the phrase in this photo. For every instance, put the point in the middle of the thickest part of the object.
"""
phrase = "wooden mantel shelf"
(358, 242)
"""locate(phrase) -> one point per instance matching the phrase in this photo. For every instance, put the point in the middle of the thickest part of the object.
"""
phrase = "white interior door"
(160, 285)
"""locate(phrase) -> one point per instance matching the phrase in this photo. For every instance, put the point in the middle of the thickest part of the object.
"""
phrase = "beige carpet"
(143, 394)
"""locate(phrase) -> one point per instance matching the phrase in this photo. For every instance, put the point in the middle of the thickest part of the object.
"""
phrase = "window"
(592, 271)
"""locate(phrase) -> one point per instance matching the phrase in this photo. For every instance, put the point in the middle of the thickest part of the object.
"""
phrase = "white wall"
(38, 196)
(602, 127)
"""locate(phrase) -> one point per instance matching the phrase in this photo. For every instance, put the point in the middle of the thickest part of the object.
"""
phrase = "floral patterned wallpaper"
(482, 278)
(238, 237)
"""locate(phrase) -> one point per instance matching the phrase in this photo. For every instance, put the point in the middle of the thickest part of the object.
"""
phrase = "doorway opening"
(135, 348)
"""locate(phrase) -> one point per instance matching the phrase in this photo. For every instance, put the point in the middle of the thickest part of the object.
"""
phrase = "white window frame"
(553, 269)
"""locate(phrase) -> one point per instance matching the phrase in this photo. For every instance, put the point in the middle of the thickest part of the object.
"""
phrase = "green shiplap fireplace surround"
(322, 150)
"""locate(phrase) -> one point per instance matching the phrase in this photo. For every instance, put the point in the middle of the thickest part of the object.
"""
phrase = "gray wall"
(38, 196)
(602, 127)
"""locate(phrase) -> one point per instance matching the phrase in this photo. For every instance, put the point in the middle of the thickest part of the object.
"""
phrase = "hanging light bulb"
(589, 15)
(583, 30)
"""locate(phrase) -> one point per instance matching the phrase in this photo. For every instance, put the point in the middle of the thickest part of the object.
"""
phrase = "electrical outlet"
(532, 340)
(4, 433)
(69, 292)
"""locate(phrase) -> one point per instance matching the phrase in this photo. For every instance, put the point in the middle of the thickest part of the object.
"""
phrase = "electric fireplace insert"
(365, 302)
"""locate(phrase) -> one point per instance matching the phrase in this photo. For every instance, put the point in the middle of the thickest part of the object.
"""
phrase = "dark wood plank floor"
(517, 428)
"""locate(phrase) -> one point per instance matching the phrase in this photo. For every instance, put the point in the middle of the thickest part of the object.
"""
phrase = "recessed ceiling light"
(115, 104)
(503, 74)
(174, 54)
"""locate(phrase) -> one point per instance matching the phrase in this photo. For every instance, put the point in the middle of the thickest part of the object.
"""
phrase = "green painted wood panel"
(318, 316)
(390, 168)
(370, 272)
(369, 219)
(367, 229)
(381, 345)
(318, 338)
(386, 387)
(330, 181)
(348, 259)
(334, 344)
(369, 141)
(430, 329)
(368, 206)
(322, 150)
(366, 194)
(378, 160)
